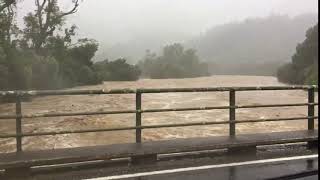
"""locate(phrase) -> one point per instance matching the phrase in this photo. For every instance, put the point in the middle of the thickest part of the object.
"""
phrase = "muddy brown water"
(52, 104)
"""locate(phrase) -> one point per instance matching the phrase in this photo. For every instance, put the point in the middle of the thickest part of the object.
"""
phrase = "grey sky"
(117, 21)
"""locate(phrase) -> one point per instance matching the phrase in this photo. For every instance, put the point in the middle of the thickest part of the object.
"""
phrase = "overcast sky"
(117, 21)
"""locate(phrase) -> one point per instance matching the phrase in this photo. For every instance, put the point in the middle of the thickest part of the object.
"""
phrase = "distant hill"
(252, 42)
(256, 46)
(135, 49)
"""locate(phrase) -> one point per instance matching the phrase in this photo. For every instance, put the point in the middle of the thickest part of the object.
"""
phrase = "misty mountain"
(134, 50)
(252, 41)
(258, 40)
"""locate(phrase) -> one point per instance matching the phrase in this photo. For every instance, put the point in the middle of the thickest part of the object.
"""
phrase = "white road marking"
(205, 167)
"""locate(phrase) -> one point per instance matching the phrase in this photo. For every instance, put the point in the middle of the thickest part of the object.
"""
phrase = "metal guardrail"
(18, 95)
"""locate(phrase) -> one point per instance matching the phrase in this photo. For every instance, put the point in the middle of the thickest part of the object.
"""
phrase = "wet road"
(204, 165)
(273, 168)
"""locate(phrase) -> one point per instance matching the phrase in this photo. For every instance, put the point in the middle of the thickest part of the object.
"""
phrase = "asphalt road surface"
(268, 162)
(261, 169)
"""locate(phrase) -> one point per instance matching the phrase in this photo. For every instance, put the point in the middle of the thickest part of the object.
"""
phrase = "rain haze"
(152, 24)
(131, 86)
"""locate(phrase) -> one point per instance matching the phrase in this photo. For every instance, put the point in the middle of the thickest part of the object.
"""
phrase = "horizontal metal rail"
(204, 123)
(226, 107)
(153, 110)
(232, 107)
(213, 89)
(162, 90)
(69, 114)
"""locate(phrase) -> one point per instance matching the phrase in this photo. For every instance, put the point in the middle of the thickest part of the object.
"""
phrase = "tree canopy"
(175, 62)
(45, 54)
(304, 66)
(118, 70)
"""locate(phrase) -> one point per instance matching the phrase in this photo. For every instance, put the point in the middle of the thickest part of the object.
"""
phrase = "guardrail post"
(250, 149)
(141, 159)
(232, 112)
(311, 144)
(138, 116)
(311, 109)
(18, 124)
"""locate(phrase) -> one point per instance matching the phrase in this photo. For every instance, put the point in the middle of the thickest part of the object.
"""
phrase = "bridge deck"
(81, 154)
(274, 168)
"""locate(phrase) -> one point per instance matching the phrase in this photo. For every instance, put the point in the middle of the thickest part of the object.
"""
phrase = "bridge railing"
(18, 116)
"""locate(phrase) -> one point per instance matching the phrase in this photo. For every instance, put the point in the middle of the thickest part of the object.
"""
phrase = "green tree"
(43, 55)
(304, 66)
(4, 71)
(118, 70)
(175, 62)
(6, 3)
(7, 12)
(44, 21)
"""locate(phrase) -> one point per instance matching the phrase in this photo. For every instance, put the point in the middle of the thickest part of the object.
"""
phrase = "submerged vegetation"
(304, 66)
(175, 62)
(118, 70)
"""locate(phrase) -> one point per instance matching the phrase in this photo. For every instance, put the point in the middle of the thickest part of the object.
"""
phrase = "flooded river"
(53, 104)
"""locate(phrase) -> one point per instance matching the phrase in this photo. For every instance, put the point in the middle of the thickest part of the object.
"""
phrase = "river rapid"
(53, 104)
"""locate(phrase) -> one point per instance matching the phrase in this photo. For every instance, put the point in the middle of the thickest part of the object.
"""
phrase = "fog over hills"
(273, 38)
(56, 44)
(126, 28)
(267, 41)
(135, 49)
(226, 31)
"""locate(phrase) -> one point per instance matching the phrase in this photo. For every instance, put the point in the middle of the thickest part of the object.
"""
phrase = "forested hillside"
(303, 69)
(254, 40)
(256, 46)
(44, 51)
(250, 44)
